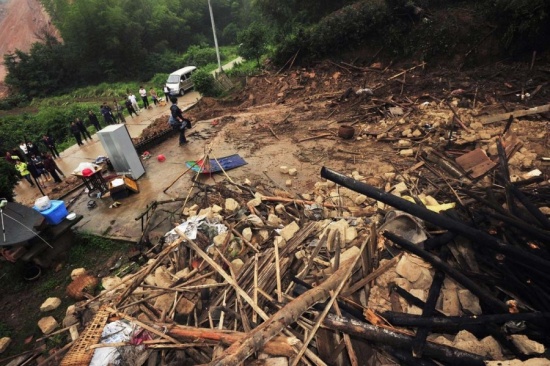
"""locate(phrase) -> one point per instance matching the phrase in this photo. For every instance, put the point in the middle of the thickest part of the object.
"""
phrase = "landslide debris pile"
(331, 276)
(436, 254)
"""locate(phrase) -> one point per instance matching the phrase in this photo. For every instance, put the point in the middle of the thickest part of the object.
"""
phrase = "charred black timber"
(478, 330)
(476, 236)
(452, 323)
(527, 229)
(526, 182)
(429, 309)
(413, 300)
(405, 357)
(492, 302)
(437, 241)
(533, 210)
(372, 333)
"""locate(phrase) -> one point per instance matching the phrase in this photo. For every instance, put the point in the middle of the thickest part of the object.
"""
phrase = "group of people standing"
(31, 163)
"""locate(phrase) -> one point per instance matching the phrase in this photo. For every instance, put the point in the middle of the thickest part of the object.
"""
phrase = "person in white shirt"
(143, 94)
(133, 99)
(23, 147)
(166, 90)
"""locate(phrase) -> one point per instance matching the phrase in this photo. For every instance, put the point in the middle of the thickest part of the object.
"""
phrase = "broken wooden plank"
(476, 163)
(278, 346)
(515, 114)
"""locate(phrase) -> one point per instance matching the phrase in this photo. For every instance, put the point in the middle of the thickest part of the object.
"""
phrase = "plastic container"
(56, 213)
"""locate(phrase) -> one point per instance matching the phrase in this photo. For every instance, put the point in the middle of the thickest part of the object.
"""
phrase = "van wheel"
(182, 91)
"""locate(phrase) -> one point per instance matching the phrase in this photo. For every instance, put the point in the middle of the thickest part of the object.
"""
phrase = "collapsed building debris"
(437, 257)
(282, 277)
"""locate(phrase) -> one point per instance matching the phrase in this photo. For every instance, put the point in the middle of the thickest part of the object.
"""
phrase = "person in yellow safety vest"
(22, 169)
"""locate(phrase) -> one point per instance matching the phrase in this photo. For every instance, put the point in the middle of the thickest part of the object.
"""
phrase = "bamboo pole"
(334, 295)
(256, 339)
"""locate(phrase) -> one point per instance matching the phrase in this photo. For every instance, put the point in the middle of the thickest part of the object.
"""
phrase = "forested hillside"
(132, 40)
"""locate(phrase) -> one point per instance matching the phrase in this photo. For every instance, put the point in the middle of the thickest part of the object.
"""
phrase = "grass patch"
(21, 299)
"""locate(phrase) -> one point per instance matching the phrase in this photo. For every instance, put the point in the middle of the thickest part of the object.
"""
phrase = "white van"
(180, 81)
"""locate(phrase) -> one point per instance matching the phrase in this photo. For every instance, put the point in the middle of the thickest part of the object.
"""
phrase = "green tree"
(8, 179)
(39, 72)
(253, 42)
(204, 83)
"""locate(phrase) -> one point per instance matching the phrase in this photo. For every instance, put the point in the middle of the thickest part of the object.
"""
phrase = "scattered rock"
(164, 302)
(469, 302)
(231, 205)
(288, 231)
(292, 172)
(220, 239)
(406, 152)
(527, 346)
(360, 199)
(77, 272)
(492, 348)
(237, 265)
(279, 241)
(185, 306)
(247, 233)
(451, 303)
(255, 202)
(273, 220)
(47, 324)
(163, 277)
(50, 304)
(407, 269)
(109, 283)
(4, 343)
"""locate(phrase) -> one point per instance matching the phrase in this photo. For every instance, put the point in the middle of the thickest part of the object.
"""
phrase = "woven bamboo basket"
(81, 285)
(80, 354)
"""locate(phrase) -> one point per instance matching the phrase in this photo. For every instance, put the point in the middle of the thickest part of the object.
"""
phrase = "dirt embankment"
(21, 24)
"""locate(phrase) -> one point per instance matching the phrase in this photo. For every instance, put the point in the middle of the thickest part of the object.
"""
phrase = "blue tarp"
(212, 166)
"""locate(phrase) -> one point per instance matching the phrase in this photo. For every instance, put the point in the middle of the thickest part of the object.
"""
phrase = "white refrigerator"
(121, 151)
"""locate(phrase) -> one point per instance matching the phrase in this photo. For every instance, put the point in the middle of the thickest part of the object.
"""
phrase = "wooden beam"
(519, 113)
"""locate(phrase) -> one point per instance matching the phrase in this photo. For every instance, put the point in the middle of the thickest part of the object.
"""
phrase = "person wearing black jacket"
(51, 167)
(83, 129)
(50, 144)
(107, 114)
(130, 107)
(32, 149)
(93, 120)
(76, 133)
(177, 121)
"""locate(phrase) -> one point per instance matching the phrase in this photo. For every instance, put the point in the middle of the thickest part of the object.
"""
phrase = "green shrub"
(342, 30)
(13, 101)
(205, 83)
(253, 42)
(8, 179)
(200, 55)
(522, 25)
(246, 68)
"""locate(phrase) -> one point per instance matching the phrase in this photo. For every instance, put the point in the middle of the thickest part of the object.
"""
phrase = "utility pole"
(215, 38)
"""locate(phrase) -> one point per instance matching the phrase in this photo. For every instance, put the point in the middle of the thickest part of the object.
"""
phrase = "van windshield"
(174, 78)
